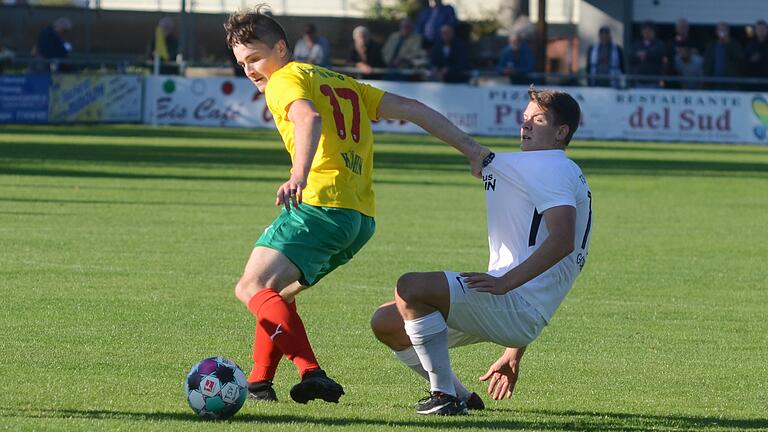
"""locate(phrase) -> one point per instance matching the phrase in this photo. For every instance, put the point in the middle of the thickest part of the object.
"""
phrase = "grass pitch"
(120, 247)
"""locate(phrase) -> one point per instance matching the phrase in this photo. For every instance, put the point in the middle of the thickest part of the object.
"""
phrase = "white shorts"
(507, 320)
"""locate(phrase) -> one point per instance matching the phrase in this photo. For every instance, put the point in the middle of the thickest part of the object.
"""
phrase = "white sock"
(409, 357)
(429, 336)
(461, 392)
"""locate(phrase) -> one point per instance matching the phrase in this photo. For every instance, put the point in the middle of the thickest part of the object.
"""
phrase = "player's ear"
(282, 48)
(562, 132)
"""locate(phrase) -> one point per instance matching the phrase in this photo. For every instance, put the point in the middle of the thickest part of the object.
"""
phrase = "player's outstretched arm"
(307, 127)
(397, 107)
(503, 374)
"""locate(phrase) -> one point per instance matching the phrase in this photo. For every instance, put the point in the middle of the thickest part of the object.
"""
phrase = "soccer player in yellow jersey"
(327, 203)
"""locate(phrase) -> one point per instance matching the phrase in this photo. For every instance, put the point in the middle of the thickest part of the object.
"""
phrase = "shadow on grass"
(274, 180)
(26, 213)
(614, 421)
(669, 147)
(549, 420)
(217, 157)
(510, 143)
(140, 131)
(121, 202)
(90, 173)
(196, 156)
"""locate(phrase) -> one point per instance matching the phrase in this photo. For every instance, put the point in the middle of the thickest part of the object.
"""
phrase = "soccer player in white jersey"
(539, 224)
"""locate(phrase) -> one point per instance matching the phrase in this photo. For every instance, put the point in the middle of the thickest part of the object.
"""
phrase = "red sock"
(266, 355)
(284, 328)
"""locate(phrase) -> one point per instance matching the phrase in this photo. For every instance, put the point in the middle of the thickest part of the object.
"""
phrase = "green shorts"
(318, 239)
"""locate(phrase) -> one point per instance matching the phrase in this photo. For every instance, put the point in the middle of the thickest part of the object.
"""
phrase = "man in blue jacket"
(52, 45)
(516, 60)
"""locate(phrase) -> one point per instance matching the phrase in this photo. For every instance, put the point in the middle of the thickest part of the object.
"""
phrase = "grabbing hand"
(502, 377)
(483, 282)
(290, 193)
(476, 160)
(364, 68)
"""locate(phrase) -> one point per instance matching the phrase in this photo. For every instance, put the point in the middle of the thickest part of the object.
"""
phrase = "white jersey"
(519, 188)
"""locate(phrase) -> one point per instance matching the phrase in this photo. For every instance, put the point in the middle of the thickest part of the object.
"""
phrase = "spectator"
(165, 46)
(6, 56)
(682, 37)
(449, 57)
(688, 63)
(52, 45)
(648, 56)
(757, 54)
(605, 58)
(420, 19)
(307, 49)
(516, 60)
(366, 53)
(724, 57)
(431, 20)
(323, 41)
(403, 48)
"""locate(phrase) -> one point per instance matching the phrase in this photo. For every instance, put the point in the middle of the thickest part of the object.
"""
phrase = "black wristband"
(488, 159)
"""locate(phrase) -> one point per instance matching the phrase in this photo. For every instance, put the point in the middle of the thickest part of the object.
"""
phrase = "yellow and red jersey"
(342, 170)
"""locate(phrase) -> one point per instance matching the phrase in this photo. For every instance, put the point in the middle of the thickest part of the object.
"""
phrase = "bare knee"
(407, 290)
(266, 268)
(385, 321)
(419, 294)
(387, 326)
(246, 288)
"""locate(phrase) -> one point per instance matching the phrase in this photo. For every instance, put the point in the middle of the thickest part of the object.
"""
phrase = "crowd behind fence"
(433, 45)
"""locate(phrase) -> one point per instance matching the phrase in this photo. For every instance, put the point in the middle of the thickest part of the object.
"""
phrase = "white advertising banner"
(210, 101)
(635, 114)
(724, 117)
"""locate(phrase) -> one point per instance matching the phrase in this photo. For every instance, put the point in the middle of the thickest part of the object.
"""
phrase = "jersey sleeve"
(371, 97)
(285, 88)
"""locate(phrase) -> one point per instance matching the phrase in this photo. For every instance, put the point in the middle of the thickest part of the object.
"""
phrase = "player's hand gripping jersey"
(341, 173)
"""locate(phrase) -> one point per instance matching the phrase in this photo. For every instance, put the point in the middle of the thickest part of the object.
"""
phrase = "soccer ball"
(216, 388)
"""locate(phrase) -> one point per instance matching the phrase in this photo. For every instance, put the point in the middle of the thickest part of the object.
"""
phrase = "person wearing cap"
(605, 59)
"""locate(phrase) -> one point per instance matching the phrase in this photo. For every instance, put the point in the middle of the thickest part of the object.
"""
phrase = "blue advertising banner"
(24, 98)
(98, 98)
